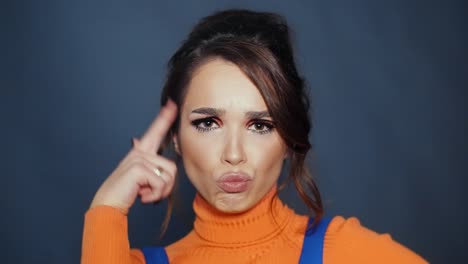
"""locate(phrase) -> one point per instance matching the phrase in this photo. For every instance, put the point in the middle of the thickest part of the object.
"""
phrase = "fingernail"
(170, 102)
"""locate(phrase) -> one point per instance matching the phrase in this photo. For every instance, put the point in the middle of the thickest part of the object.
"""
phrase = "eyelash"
(267, 124)
(196, 123)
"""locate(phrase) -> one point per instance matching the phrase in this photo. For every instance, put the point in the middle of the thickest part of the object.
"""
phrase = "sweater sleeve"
(346, 241)
(105, 238)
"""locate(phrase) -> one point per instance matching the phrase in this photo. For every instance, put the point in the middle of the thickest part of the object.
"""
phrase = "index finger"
(156, 132)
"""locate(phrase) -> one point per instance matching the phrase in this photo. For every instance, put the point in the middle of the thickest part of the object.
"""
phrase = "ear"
(176, 143)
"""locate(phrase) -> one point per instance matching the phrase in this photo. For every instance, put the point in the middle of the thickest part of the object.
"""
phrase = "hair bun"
(240, 23)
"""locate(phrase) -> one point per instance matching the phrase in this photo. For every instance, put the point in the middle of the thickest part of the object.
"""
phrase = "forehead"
(221, 84)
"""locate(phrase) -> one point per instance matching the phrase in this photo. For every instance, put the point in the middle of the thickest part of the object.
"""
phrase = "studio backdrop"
(387, 82)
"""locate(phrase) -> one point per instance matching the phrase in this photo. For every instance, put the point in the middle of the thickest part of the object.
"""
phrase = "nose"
(233, 152)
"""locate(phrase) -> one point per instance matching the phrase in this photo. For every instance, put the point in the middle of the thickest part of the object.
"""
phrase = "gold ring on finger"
(158, 171)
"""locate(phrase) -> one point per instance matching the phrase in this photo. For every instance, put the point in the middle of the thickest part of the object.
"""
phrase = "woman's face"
(230, 149)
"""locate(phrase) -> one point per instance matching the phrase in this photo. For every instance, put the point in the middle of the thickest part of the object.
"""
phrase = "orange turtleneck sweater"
(254, 236)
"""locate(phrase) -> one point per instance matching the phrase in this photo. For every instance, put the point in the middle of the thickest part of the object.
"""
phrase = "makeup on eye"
(204, 124)
(260, 126)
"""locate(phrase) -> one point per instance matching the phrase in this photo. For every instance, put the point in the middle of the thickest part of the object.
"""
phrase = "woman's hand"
(142, 172)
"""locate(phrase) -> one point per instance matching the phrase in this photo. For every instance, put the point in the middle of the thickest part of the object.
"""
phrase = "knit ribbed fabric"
(347, 239)
(269, 233)
(105, 238)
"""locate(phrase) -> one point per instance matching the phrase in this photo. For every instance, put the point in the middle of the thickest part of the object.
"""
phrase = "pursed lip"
(234, 177)
(234, 182)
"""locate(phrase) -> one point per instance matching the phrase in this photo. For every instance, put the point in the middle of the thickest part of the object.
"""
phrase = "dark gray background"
(387, 78)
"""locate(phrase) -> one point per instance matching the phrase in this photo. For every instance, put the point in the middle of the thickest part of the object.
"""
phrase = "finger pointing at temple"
(151, 140)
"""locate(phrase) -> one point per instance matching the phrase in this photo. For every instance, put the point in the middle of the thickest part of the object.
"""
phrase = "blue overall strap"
(312, 249)
(155, 255)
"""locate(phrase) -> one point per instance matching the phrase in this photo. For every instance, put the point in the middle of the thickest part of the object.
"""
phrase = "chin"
(232, 203)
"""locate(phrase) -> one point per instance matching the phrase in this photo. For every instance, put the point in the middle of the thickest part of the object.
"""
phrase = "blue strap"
(155, 255)
(312, 249)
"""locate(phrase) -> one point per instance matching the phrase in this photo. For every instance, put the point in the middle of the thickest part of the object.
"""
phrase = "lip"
(234, 182)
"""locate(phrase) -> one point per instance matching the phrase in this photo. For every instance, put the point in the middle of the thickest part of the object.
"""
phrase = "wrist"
(98, 203)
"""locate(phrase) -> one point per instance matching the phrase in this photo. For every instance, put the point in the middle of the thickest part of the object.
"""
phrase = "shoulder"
(347, 240)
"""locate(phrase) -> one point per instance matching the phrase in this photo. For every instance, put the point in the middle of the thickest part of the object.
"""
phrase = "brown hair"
(259, 44)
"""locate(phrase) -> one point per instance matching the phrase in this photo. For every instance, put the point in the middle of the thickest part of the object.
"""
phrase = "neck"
(261, 222)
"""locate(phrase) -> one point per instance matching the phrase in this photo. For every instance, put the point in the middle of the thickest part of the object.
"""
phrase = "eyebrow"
(257, 114)
(209, 111)
(219, 112)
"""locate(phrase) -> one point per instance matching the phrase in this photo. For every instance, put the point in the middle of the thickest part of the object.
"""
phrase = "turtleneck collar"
(253, 226)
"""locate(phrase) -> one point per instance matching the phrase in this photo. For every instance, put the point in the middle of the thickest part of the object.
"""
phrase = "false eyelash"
(196, 123)
(269, 125)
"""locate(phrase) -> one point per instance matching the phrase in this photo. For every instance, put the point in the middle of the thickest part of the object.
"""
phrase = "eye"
(205, 124)
(261, 126)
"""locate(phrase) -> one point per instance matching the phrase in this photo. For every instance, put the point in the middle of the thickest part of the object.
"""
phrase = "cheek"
(199, 153)
(267, 153)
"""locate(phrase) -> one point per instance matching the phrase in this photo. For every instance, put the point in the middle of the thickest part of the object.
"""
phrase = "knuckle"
(139, 160)
(137, 167)
(173, 168)
(171, 171)
(136, 151)
(133, 153)
(161, 182)
(155, 195)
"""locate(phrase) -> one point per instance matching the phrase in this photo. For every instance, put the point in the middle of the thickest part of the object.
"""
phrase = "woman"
(235, 110)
